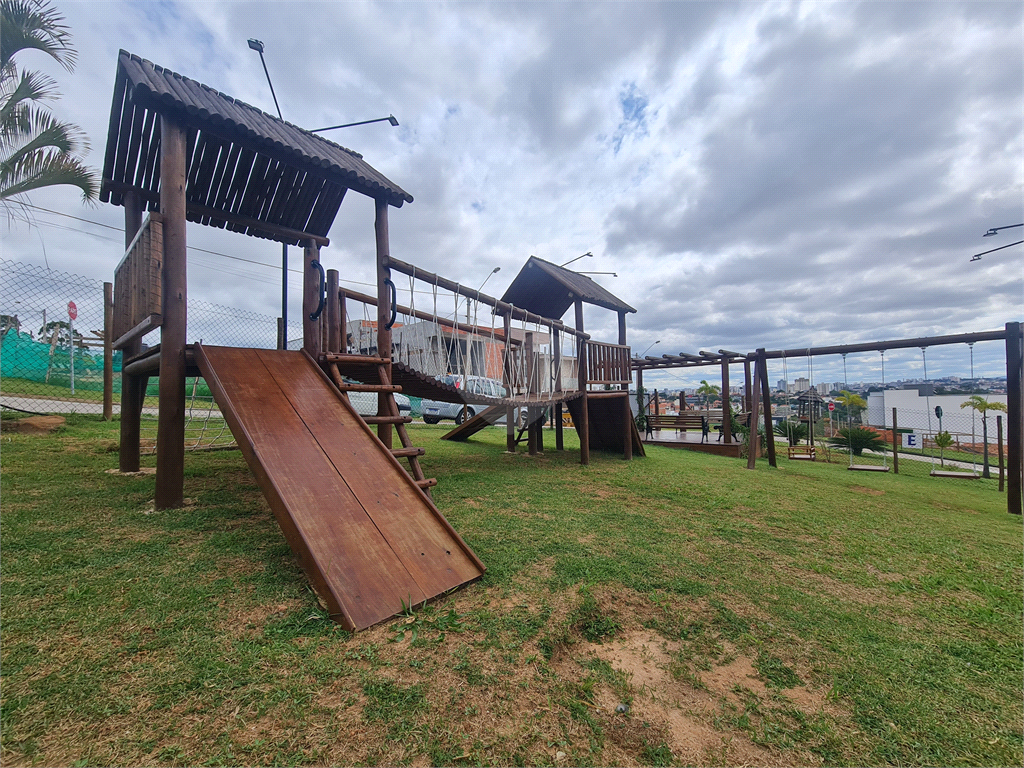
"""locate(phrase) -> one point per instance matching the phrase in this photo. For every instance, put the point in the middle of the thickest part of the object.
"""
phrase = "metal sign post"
(72, 316)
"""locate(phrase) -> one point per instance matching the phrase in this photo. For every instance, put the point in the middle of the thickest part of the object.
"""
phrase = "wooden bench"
(679, 422)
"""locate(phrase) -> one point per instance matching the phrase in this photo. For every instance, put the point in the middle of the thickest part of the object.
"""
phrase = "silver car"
(434, 410)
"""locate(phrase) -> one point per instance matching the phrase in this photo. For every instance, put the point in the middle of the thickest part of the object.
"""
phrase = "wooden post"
(581, 357)
(999, 447)
(333, 312)
(108, 351)
(895, 446)
(531, 431)
(170, 438)
(766, 403)
(281, 333)
(506, 367)
(753, 442)
(556, 340)
(343, 321)
(657, 404)
(627, 414)
(748, 400)
(726, 402)
(383, 311)
(131, 396)
(311, 334)
(1014, 420)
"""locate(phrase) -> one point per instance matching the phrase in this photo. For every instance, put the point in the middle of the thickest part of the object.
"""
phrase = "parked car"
(436, 410)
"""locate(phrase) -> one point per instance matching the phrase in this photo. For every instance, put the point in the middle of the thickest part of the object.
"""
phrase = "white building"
(918, 413)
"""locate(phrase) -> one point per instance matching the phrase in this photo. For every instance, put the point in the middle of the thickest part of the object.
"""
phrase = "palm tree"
(982, 406)
(36, 149)
(853, 404)
(708, 391)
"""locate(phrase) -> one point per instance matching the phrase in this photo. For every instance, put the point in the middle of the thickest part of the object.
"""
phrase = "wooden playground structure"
(362, 525)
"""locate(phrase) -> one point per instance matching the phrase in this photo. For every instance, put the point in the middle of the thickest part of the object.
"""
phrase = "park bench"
(679, 422)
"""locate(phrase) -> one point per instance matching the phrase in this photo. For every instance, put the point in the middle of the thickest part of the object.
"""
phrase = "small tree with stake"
(983, 406)
(943, 440)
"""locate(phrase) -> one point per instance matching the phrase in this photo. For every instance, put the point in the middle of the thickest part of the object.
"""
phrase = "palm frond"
(45, 169)
(34, 25)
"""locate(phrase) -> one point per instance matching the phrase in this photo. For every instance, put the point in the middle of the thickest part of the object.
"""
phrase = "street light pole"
(257, 45)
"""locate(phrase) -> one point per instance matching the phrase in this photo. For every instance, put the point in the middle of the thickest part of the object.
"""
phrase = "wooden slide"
(366, 536)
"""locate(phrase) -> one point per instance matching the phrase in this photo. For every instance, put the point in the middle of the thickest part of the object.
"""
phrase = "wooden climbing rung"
(387, 419)
(337, 357)
(369, 387)
(403, 452)
(430, 482)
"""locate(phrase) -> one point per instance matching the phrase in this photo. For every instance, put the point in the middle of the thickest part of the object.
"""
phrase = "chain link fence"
(51, 363)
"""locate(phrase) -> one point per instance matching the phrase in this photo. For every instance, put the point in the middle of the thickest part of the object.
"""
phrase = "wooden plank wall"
(138, 286)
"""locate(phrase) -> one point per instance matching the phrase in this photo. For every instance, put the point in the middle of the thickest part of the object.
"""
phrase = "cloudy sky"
(758, 174)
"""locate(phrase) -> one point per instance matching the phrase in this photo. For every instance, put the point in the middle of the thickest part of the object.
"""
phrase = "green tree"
(852, 403)
(36, 149)
(708, 392)
(983, 406)
(943, 440)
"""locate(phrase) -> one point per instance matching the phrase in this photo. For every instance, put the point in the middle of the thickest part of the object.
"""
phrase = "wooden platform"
(691, 441)
(366, 536)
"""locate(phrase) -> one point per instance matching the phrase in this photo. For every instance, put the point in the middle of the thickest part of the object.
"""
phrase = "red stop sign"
(72, 310)
(831, 406)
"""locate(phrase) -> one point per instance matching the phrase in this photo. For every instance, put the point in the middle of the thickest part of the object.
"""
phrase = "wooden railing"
(607, 363)
(138, 284)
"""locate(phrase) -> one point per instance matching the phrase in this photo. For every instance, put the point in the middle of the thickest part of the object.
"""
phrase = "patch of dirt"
(140, 473)
(33, 425)
(685, 704)
(888, 578)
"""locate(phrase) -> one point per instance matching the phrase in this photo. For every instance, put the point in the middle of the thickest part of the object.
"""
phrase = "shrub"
(794, 431)
(858, 439)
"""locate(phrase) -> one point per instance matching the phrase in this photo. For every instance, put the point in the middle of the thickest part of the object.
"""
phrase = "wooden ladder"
(392, 415)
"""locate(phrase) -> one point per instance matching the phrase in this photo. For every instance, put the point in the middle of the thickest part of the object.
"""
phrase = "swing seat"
(802, 452)
(954, 475)
(867, 468)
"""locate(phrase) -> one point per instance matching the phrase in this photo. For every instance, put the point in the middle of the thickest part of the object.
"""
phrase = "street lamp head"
(496, 269)
(256, 45)
(990, 233)
(393, 120)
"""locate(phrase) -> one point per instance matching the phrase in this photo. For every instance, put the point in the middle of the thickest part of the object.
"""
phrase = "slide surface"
(366, 536)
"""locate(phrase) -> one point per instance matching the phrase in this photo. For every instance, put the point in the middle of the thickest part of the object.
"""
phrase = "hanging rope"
(789, 400)
(849, 415)
(885, 453)
(927, 398)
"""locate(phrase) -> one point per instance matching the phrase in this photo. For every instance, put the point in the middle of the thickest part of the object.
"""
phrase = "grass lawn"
(805, 615)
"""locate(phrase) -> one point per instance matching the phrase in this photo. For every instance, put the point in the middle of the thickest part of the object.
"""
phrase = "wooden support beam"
(1014, 418)
(748, 400)
(381, 237)
(999, 447)
(131, 397)
(895, 446)
(581, 361)
(170, 441)
(726, 403)
(334, 329)
(108, 351)
(133, 338)
(311, 334)
(531, 431)
(753, 443)
(766, 404)
(506, 368)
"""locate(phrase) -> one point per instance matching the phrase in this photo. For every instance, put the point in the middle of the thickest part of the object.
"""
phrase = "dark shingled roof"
(241, 161)
(549, 290)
